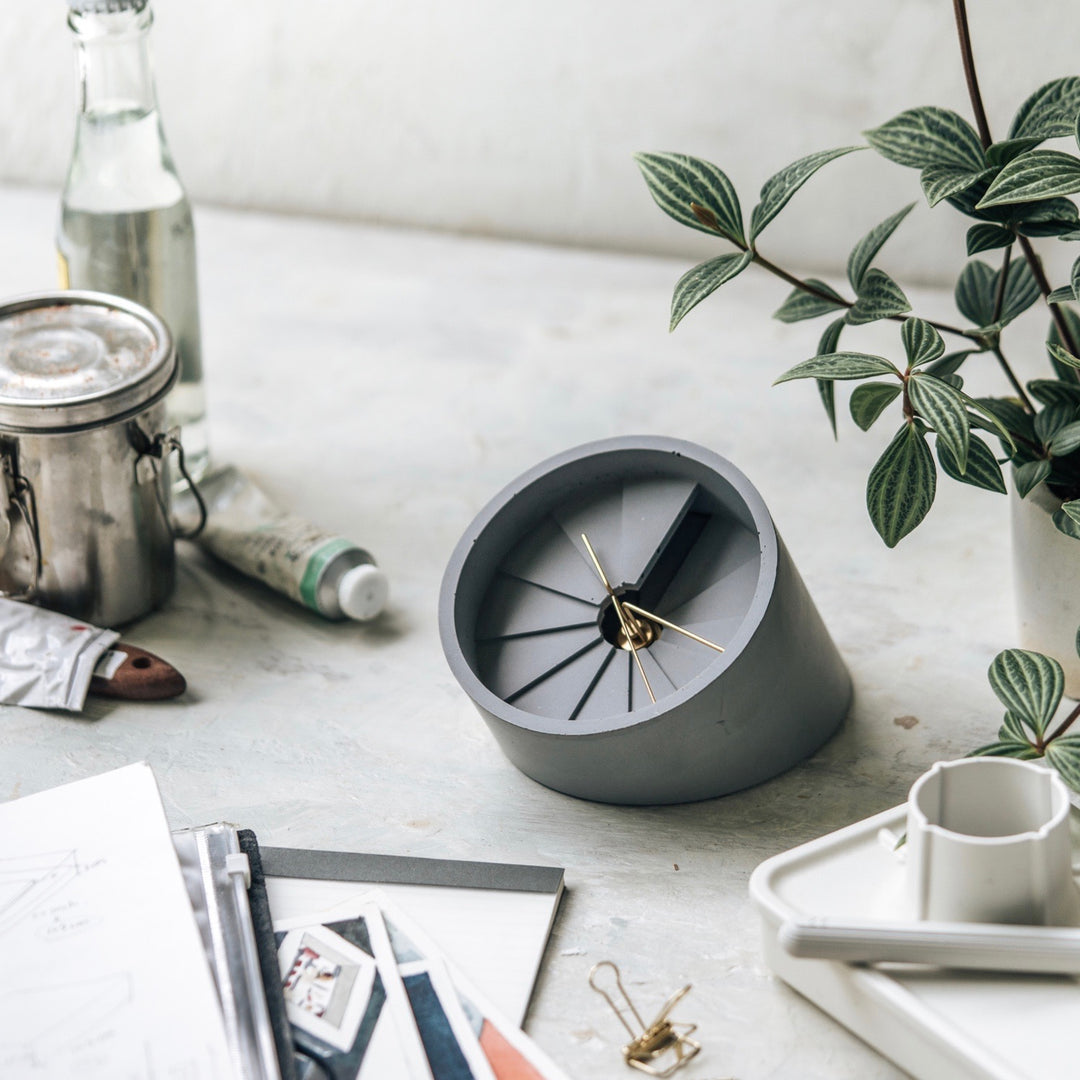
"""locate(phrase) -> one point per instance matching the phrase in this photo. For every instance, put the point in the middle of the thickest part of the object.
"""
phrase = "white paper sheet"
(497, 937)
(104, 975)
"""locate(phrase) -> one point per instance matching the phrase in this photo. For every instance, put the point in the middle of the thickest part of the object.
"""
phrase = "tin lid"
(79, 359)
(105, 7)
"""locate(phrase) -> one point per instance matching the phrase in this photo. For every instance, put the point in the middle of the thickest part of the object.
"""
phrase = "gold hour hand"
(635, 610)
(624, 622)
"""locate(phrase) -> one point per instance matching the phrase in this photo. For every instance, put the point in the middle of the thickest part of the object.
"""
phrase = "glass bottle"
(125, 220)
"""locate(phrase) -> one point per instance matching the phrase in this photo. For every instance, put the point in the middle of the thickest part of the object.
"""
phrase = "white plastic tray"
(937, 1025)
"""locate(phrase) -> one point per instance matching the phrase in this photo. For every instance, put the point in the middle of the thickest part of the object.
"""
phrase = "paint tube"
(326, 573)
(47, 659)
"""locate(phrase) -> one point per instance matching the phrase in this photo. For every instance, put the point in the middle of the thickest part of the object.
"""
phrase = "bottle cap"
(363, 591)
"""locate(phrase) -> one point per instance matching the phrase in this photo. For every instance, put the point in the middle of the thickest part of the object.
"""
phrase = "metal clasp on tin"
(17, 501)
(661, 1040)
(158, 448)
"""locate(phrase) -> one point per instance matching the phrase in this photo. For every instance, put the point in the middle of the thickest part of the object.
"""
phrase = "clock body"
(533, 634)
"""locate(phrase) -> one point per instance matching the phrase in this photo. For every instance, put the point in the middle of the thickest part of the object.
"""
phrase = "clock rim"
(489, 702)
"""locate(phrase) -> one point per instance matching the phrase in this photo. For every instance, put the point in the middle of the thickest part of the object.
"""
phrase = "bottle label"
(62, 271)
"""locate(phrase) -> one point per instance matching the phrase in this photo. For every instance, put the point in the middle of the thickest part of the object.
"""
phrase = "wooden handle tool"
(140, 676)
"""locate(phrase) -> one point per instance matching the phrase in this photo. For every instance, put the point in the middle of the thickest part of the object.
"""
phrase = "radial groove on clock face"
(547, 639)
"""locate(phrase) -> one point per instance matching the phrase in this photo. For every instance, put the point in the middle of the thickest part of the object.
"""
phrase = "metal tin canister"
(84, 510)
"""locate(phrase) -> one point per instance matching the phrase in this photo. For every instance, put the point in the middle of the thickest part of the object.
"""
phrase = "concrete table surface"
(386, 383)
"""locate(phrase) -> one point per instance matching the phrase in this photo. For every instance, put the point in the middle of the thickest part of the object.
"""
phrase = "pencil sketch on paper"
(27, 881)
(44, 1025)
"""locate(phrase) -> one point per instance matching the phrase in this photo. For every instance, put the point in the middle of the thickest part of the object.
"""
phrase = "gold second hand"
(622, 615)
(671, 626)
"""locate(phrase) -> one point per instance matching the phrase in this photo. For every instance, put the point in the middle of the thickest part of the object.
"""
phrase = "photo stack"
(369, 996)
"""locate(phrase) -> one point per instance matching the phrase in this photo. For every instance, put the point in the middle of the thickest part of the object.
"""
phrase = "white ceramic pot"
(1046, 582)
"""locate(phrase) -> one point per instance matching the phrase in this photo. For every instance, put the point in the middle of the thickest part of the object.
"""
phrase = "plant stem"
(999, 303)
(1025, 401)
(806, 287)
(1059, 730)
(968, 58)
(1056, 314)
(1003, 276)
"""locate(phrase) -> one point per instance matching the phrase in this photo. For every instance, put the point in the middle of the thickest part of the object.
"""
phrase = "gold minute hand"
(634, 609)
(623, 621)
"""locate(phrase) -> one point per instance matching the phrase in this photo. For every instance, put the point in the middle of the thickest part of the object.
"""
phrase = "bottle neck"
(113, 56)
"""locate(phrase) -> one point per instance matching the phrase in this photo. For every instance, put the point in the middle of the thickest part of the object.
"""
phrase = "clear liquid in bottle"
(125, 221)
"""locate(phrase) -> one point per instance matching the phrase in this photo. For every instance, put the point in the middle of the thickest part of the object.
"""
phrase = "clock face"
(541, 631)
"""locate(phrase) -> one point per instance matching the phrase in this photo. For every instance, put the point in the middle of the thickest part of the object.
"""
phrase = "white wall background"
(517, 118)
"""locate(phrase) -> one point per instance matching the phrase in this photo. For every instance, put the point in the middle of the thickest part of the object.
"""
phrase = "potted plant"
(1014, 192)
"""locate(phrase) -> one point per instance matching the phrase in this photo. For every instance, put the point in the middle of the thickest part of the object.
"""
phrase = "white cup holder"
(988, 841)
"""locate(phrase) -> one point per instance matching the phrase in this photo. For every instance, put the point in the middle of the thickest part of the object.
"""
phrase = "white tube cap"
(363, 592)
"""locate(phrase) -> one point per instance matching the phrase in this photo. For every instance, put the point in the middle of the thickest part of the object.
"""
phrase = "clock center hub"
(642, 632)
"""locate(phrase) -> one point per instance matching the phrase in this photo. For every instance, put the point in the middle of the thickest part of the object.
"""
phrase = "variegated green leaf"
(901, 486)
(1012, 729)
(986, 237)
(983, 470)
(922, 343)
(1053, 337)
(977, 289)
(1049, 217)
(870, 400)
(949, 364)
(1038, 174)
(826, 389)
(1007, 748)
(1043, 217)
(1063, 356)
(928, 136)
(1021, 289)
(1067, 521)
(939, 182)
(1050, 113)
(830, 339)
(1064, 754)
(1064, 295)
(840, 365)
(976, 292)
(942, 408)
(1074, 278)
(703, 279)
(1065, 440)
(778, 189)
(1051, 420)
(863, 253)
(879, 297)
(801, 304)
(1054, 392)
(1030, 475)
(1029, 685)
(678, 182)
(1001, 153)
(999, 416)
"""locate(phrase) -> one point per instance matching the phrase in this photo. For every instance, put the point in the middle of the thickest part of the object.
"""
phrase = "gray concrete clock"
(585, 609)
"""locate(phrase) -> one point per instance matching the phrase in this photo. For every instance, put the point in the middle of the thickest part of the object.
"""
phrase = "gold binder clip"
(661, 1039)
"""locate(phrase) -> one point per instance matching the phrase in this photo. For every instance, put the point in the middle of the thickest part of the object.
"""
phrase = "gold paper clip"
(660, 1039)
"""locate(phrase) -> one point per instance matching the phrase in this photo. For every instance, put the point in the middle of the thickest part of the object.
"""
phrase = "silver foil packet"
(47, 659)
